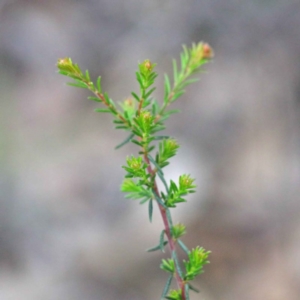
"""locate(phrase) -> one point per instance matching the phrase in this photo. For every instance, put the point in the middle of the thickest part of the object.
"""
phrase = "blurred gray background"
(66, 232)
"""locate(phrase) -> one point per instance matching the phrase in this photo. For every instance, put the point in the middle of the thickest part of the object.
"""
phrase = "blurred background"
(66, 232)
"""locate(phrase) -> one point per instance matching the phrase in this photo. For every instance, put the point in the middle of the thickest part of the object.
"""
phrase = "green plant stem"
(171, 242)
(103, 100)
(140, 181)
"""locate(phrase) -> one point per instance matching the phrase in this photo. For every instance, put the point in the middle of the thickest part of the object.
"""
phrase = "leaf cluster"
(191, 60)
(198, 257)
(167, 149)
(177, 191)
(175, 295)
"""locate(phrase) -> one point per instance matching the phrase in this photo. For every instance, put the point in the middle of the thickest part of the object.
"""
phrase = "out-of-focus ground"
(66, 232)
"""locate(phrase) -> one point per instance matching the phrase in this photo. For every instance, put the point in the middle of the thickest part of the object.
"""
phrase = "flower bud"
(147, 64)
(146, 67)
(208, 52)
(186, 182)
(171, 145)
(62, 62)
(66, 64)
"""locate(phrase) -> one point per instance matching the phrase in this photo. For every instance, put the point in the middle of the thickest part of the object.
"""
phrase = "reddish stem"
(171, 242)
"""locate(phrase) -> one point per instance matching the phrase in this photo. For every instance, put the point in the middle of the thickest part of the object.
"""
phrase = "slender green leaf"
(65, 73)
(147, 102)
(164, 164)
(162, 241)
(135, 96)
(149, 93)
(139, 79)
(87, 75)
(193, 288)
(167, 88)
(183, 247)
(158, 199)
(157, 128)
(137, 143)
(126, 116)
(137, 132)
(143, 200)
(151, 149)
(118, 122)
(160, 137)
(156, 247)
(186, 52)
(155, 164)
(112, 103)
(177, 95)
(177, 265)
(187, 292)
(155, 107)
(77, 68)
(142, 76)
(75, 77)
(188, 82)
(168, 214)
(153, 76)
(150, 210)
(127, 140)
(173, 186)
(170, 112)
(162, 178)
(99, 84)
(128, 176)
(94, 99)
(109, 100)
(164, 118)
(78, 84)
(103, 110)
(167, 287)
